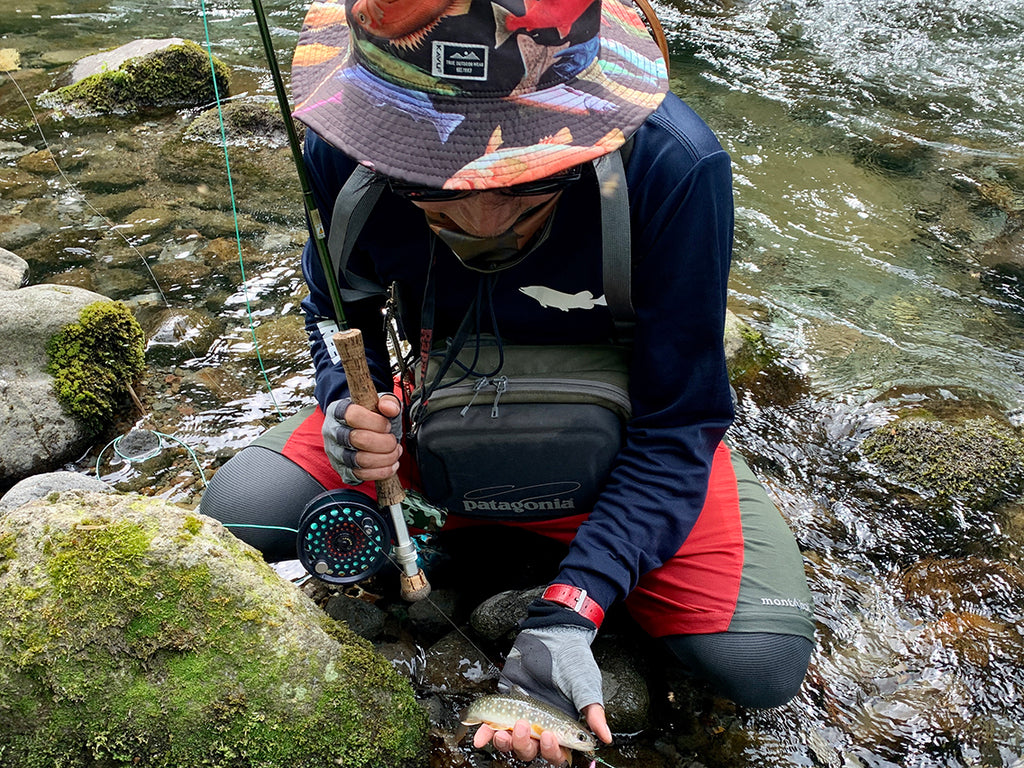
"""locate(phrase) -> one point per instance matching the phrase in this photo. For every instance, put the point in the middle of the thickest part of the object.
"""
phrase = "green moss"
(94, 361)
(178, 75)
(192, 524)
(7, 551)
(122, 661)
(977, 460)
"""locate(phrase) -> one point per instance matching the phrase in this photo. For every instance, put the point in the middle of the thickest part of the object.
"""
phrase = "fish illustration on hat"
(405, 23)
(540, 14)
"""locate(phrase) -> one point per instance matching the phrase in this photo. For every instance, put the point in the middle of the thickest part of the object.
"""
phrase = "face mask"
(491, 254)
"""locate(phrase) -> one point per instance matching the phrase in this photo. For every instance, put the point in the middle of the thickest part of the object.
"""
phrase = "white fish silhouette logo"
(549, 297)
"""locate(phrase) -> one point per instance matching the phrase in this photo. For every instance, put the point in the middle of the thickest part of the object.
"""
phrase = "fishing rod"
(308, 201)
(322, 533)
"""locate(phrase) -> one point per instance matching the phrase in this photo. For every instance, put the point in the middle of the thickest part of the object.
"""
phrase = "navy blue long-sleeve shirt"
(681, 212)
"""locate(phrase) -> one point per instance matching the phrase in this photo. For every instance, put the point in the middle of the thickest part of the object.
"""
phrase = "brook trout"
(501, 711)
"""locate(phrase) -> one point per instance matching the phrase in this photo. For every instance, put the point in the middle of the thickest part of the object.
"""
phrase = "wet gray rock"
(626, 696)
(177, 334)
(107, 61)
(455, 665)
(433, 617)
(13, 271)
(16, 231)
(498, 617)
(36, 434)
(362, 617)
(42, 485)
(246, 123)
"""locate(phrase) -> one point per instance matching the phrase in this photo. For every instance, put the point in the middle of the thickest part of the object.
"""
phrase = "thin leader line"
(234, 207)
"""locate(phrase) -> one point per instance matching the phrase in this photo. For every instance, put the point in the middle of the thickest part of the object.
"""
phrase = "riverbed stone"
(177, 334)
(498, 616)
(626, 696)
(17, 231)
(36, 434)
(434, 617)
(964, 585)
(979, 461)
(455, 665)
(360, 616)
(143, 74)
(167, 641)
(42, 485)
(264, 179)
(13, 270)
(246, 123)
(40, 162)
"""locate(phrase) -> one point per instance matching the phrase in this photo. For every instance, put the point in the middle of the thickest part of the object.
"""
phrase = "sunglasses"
(545, 186)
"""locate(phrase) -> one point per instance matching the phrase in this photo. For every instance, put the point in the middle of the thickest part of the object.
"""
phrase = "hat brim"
(457, 141)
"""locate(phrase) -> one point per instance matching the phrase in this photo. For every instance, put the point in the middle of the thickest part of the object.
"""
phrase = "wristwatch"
(576, 599)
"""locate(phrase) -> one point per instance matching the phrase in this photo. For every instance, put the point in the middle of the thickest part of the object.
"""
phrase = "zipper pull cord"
(476, 391)
(500, 387)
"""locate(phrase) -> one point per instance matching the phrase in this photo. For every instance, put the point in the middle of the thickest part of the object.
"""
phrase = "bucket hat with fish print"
(475, 94)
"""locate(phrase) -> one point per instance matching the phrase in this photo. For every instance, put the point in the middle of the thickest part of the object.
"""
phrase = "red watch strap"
(577, 599)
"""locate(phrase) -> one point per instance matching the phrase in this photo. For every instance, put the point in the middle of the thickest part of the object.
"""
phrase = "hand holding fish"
(523, 738)
(552, 676)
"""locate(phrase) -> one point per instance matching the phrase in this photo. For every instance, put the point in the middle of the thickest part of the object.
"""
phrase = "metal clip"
(500, 387)
(476, 391)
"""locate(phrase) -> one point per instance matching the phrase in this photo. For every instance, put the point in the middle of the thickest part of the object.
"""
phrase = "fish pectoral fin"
(461, 731)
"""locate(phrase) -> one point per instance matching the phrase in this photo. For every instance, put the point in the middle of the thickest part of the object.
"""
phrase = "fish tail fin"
(501, 30)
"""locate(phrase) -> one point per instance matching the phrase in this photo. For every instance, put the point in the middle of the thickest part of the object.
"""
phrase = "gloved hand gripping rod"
(414, 585)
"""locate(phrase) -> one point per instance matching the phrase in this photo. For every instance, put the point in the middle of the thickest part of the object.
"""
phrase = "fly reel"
(342, 538)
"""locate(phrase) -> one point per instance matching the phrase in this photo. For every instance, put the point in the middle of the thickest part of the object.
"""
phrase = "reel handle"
(363, 391)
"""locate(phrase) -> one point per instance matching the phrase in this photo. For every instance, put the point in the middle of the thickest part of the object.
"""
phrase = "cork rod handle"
(364, 392)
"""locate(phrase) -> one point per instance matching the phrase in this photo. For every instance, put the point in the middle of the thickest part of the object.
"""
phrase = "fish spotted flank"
(549, 297)
(502, 711)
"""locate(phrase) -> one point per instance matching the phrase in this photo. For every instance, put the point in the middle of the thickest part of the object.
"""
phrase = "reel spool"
(342, 538)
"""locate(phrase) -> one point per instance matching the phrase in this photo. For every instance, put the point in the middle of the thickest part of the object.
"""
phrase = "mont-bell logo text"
(483, 505)
(461, 61)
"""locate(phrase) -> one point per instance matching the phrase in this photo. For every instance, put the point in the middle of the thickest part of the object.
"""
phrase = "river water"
(879, 171)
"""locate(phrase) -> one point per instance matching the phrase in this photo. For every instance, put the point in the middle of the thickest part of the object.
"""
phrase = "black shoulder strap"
(363, 188)
(616, 250)
(352, 208)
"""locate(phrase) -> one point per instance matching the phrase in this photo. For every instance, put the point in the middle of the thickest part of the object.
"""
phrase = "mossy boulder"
(173, 73)
(95, 360)
(755, 368)
(978, 461)
(137, 633)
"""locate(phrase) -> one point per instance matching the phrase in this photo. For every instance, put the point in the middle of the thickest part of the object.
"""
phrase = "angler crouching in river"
(539, 209)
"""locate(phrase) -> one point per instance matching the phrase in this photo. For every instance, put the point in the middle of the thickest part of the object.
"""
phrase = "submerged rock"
(977, 460)
(138, 633)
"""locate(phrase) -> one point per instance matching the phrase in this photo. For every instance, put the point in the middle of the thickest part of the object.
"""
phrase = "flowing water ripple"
(879, 176)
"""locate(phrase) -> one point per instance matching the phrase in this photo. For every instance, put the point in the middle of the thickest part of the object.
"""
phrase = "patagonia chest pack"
(534, 440)
(524, 432)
